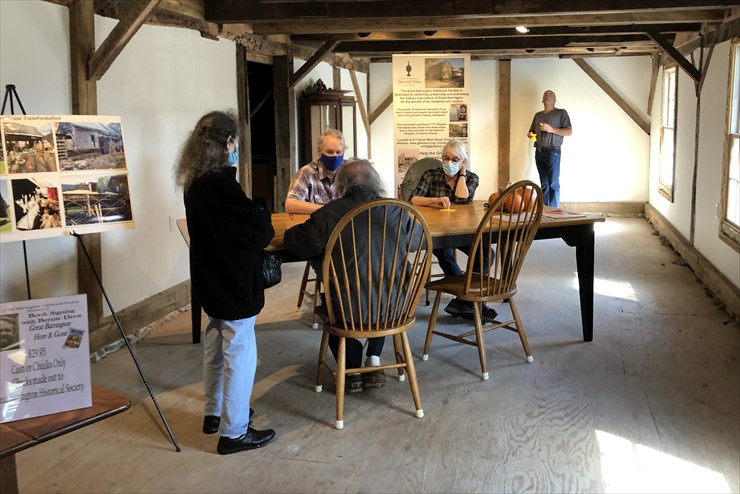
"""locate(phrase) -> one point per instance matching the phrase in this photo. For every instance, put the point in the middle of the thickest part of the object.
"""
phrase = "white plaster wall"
(161, 84)
(34, 55)
(163, 81)
(709, 181)
(606, 158)
(712, 131)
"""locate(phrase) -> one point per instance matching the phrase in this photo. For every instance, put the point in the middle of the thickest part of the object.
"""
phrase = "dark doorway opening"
(262, 128)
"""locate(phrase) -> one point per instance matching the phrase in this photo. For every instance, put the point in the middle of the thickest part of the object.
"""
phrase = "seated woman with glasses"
(440, 188)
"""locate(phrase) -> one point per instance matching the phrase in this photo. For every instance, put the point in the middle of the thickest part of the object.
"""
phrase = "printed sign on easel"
(44, 357)
(62, 173)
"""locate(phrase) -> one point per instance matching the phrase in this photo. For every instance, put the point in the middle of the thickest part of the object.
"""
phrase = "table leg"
(585, 266)
(582, 238)
(8, 475)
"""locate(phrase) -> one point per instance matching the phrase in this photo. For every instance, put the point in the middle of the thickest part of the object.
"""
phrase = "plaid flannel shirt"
(433, 183)
(313, 184)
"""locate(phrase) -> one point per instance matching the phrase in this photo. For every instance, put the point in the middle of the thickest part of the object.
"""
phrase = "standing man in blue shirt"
(550, 126)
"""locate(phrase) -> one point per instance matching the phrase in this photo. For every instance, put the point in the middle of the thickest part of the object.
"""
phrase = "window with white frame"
(730, 202)
(667, 164)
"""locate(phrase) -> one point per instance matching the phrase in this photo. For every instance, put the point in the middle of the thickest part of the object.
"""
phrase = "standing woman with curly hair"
(228, 232)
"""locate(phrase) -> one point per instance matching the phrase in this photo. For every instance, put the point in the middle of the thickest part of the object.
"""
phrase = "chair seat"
(479, 292)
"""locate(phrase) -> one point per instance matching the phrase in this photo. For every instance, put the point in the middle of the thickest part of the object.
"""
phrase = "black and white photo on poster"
(36, 204)
(6, 221)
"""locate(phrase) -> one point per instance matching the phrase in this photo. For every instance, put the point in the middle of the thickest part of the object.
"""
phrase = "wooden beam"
(85, 102)
(614, 95)
(653, 82)
(284, 125)
(336, 76)
(381, 108)
(584, 19)
(256, 11)
(245, 132)
(312, 62)
(360, 103)
(504, 122)
(676, 55)
(119, 37)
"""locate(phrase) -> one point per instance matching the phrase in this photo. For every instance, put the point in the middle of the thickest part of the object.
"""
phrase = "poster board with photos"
(430, 106)
(62, 173)
(44, 357)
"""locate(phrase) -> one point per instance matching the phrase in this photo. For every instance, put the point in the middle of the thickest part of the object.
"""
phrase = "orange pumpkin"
(513, 203)
(529, 199)
(492, 198)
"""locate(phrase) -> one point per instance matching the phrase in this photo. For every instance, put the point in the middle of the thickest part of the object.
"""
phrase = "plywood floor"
(651, 405)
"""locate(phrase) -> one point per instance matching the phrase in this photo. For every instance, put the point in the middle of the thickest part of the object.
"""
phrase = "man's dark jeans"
(548, 166)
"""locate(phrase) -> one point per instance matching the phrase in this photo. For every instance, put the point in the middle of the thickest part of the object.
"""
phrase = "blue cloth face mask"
(234, 156)
(451, 168)
(331, 163)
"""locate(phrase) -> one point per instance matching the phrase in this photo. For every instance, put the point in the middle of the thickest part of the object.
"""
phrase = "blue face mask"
(451, 168)
(331, 163)
(234, 156)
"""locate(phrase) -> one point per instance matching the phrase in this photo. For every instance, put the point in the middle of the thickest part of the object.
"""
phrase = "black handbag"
(271, 270)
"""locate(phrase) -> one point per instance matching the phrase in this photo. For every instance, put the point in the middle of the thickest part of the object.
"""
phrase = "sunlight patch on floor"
(610, 288)
(630, 467)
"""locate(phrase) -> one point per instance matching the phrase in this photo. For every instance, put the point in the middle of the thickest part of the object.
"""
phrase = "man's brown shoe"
(374, 379)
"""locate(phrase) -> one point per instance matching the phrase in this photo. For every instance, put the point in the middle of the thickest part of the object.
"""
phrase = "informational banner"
(44, 357)
(430, 106)
(60, 174)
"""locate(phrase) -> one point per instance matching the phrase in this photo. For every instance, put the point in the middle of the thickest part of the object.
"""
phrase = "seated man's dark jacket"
(308, 240)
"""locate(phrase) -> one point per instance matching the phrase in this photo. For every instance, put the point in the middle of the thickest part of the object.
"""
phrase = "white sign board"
(44, 357)
(430, 106)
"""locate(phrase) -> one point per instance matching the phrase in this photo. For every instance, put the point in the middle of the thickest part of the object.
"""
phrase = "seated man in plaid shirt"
(313, 185)
(441, 187)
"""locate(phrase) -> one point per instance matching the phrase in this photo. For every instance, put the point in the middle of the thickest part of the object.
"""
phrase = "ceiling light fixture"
(522, 29)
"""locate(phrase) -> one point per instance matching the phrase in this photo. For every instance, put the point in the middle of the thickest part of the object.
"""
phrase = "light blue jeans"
(229, 365)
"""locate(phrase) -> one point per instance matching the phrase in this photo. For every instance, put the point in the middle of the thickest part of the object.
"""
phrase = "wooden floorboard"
(651, 405)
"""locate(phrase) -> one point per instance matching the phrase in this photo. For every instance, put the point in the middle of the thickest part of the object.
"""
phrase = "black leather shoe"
(211, 423)
(486, 313)
(253, 439)
(459, 308)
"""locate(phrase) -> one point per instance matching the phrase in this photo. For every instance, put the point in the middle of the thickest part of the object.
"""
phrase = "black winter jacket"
(228, 232)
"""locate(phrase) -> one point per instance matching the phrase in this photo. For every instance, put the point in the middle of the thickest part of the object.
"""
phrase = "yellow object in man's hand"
(533, 138)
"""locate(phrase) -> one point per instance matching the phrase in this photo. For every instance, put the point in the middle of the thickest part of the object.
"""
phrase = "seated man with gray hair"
(357, 182)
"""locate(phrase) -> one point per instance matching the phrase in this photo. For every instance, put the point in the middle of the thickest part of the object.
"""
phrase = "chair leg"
(520, 330)
(341, 369)
(432, 325)
(411, 371)
(479, 340)
(316, 297)
(304, 281)
(398, 350)
(322, 361)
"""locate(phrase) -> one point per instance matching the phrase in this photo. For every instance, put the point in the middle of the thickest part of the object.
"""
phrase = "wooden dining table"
(456, 228)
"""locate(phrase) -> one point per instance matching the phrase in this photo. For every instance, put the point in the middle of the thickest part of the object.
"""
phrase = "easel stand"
(125, 339)
(10, 94)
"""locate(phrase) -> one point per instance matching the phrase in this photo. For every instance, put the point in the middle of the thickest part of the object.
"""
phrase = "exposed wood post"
(282, 67)
(614, 95)
(119, 37)
(336, 75)
(504, 122)
(85, 102)
(369, 128)
(653, 83)
(360, 103)
(245, 134)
